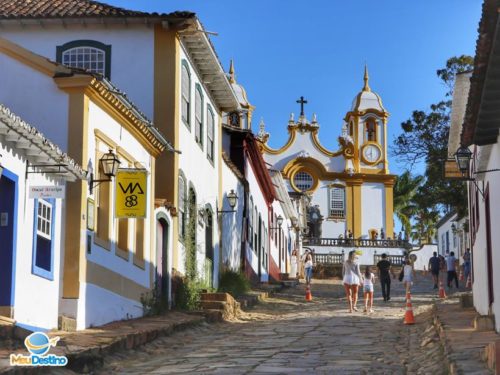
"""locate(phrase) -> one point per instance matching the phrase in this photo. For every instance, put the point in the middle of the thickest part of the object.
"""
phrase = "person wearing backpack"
(434, 266)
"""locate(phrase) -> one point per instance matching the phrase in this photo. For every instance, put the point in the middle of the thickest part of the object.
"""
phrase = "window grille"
(337, 202)
(303, 181)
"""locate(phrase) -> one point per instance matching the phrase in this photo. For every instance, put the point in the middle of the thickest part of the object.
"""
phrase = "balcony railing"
(354, 242)
(329, 258)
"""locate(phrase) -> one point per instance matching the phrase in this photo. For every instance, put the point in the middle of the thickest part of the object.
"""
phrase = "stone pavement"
(287, 335)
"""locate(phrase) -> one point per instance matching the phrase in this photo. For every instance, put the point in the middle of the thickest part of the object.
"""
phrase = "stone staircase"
(219, 306)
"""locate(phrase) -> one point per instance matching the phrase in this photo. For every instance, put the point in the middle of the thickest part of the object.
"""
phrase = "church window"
(337, 202)
(371, 130)
(303, 181)
(210, 133)
(198, 116)
(86, 54)
(186, 94)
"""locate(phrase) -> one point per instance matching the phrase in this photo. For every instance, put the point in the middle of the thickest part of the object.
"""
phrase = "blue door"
(8, 217)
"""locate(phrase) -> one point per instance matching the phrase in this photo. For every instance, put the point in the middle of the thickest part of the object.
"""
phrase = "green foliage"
(187, 295)
(234, 283)
(190, 241)
(405, 207)
(154, 302)
(425, 139)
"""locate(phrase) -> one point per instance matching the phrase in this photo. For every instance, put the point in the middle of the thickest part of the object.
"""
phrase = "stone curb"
(92, 358)
(449, 362)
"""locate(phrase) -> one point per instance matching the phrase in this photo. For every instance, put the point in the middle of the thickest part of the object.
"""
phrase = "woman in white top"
(293, 261)
(408, 275)
(368, 279)
(308, 266)
(351, 279)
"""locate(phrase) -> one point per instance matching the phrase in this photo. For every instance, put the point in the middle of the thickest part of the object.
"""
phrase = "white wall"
(373, 206)
(35, 297)
(33, 96)
(232, 223)
(132, 53)
(423, 256)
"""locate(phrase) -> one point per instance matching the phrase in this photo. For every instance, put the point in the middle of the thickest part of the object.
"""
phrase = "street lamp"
(279, 221)
(462, 157)
(232, 198)
(109, 165)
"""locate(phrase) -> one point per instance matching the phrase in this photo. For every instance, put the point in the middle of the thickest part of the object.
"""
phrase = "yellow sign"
(131, 193)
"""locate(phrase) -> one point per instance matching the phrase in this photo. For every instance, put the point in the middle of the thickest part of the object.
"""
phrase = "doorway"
(162, 267)
(8, 219)
(209, 247)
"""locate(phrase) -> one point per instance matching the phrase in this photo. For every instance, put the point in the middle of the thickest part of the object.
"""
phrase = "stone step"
(214, 305)
(491, 356)
(5, 320)
(223, 297)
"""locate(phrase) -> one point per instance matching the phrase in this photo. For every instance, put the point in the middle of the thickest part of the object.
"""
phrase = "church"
(350, 190)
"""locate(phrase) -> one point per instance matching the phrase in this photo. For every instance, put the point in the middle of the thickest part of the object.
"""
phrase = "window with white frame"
(186, 94)
(337, 202)
(303, 181)
(210, 133)
(91, 55)
(43, 238)
(198, 115)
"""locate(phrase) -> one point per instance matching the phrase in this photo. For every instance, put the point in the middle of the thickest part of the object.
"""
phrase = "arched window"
(371, 130)
(198, 115)
(210, 133)
(186, 94)
(182, 206)
(303, 181)
(337, 202)
(86, 54)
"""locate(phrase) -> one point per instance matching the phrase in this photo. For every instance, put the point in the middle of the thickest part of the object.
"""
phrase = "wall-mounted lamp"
(109, 165)
(279, 221)
(232, 198)
(462, 157)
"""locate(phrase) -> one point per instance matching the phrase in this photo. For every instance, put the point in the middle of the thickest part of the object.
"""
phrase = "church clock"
(371, 153)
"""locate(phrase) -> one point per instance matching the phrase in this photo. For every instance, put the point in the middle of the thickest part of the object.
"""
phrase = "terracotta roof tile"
(34, 9)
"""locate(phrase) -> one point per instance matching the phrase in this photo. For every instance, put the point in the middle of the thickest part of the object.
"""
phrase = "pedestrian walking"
(351, 277)
(434, 266)
(293, 263)
(384, 270)
(451, 267)
(467, 264)
(408, 274)
(368, 280)
(308, 266)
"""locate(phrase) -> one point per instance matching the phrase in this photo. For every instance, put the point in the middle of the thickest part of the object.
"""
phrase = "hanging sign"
(37, 192)
(131, 193)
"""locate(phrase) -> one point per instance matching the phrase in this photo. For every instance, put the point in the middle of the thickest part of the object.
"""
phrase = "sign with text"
(131, 193)
(37, 192)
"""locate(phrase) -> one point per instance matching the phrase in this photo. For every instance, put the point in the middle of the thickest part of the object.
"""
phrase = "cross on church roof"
(302, 101)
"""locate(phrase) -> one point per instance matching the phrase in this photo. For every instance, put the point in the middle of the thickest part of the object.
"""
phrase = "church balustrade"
(356, 242)
(329, 258)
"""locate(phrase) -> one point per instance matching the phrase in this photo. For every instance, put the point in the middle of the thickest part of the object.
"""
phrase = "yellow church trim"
(389, 209)
(315, 140)
(362, 155)
(272, 151)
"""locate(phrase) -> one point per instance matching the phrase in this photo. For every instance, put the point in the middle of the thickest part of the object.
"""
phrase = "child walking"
(368, 279)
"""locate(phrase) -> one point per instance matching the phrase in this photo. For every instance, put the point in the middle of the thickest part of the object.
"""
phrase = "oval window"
(303, 181)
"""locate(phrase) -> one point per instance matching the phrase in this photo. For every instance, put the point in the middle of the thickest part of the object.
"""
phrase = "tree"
(405, 189)
(425, 139)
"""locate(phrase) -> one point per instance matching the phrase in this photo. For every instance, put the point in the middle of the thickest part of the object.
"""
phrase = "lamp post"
(279, 221)
(462, 157)
(232, 198)
(109, 166)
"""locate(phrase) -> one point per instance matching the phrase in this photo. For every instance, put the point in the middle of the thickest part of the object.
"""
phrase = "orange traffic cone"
(308, 294)
(468, 283)
(409, 318)
(442, 293)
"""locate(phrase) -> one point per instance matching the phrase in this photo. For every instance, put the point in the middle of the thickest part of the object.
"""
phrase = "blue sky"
(285, 49)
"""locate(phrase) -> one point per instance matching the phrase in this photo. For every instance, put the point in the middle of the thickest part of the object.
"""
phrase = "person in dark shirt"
(384, 270)
(434, 267)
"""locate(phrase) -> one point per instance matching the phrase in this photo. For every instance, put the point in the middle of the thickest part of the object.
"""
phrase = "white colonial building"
(350, 189)
(108, 262)
(33, 176)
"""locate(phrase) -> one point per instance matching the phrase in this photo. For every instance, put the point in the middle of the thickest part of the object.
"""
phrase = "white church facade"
(350, 190)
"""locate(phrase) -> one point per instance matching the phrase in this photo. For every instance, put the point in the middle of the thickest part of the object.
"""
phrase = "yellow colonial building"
(350, 190)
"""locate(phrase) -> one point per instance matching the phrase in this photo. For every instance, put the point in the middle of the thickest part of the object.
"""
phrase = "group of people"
(353, 279)
(449, 263)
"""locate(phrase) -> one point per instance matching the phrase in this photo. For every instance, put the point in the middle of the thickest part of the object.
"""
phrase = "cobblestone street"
(285, 334)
